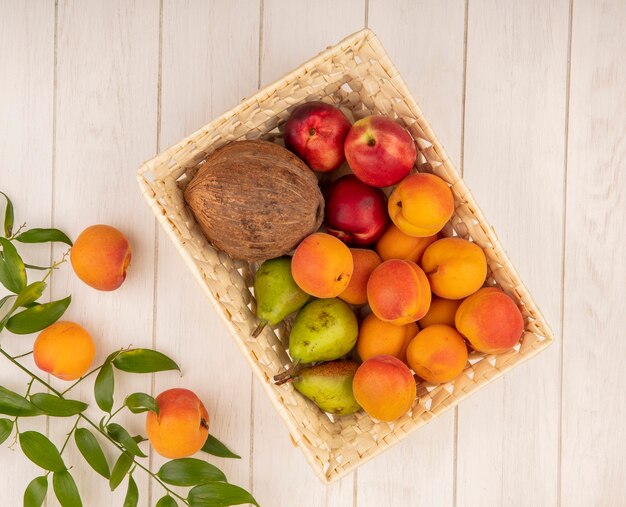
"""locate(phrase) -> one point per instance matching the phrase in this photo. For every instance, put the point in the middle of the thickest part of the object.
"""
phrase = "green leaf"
(132, 493)
(166, 501)
(91, 451)
(13, 404)
(38, 317)
(43, 236)
(6, 427)
(219, 494)
(141, 402)
(122, 437)
(120, 469)
(38, 268)
(12, 269)
(143, 361)
(216, 448)
(57, 407)
(65, 489)
(189, 472)
(139, 438)
(41, 451)
(104, 386)
(36, 491)
(9, 216)
(30, 294)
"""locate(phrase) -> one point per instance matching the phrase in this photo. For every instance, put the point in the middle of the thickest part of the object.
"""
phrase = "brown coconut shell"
(255, 200)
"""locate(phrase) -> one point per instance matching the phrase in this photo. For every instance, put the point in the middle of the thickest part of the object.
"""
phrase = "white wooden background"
(529, 99)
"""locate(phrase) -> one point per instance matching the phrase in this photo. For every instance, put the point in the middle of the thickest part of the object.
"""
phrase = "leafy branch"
(21, 313)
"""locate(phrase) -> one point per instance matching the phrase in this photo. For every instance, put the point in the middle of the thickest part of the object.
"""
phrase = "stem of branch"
(82, 378)
(70, 434)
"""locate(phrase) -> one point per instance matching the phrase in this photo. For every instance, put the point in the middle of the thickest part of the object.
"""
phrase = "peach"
(365, 261)
(490, 320)
(377, 337)
(455, 267)
(100, 256)
(442, 311)
(398, 292)
(385, 387)
(394, 244)
(437, 354)
(322, 265)
(65, 350)
(182, 425)
(421, 204)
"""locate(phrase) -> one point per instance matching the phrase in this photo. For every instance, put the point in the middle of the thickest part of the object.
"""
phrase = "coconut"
(255, 200)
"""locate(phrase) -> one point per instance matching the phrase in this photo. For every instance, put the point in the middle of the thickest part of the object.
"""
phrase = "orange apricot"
(455, 267)
(490, 320)
(322, 265)
(377, 337)
(421, 204)
(437, 354)
(441, 311)
(385, 388)
(182, 425)
(398, 292)
(65, 350)
(395, 244)
(365, 261)
(100, 256)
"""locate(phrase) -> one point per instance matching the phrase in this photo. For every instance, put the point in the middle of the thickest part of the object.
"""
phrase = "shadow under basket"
(357, 76)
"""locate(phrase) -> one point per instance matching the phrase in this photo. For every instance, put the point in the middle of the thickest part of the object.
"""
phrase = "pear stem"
(257, 331)
(288, 375)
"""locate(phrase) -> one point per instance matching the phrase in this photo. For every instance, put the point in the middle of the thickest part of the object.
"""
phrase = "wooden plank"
(26, 108)
(514, 158)
(293, 32)
(425, 41)
(593, 457)
(199, 81)
(106, 99)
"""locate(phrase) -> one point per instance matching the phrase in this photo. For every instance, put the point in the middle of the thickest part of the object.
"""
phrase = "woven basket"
(357, 75)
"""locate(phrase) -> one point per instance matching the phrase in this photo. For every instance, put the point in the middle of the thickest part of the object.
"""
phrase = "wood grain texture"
(516, 445)
(292, 33)
(200, 78)
(433, 70)
(514, 160)
(26, 108)
(593, 430)
(107, 67)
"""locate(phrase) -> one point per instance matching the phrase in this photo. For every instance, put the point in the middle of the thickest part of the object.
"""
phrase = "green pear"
(329, 386)
(277, 294)
(325, 329)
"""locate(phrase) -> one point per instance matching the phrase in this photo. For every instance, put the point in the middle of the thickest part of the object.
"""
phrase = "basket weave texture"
(358, 76)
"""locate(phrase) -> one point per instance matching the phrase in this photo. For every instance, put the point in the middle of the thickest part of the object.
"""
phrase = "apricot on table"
(182, 425)
(65, 350)
(365, 261)
(490, 320)
(421, 204)
(455, 267)
(437, 354)
(385, 387)
(377, 337)
(100, 256)
(441, 311)
(398, 292)
(395, 244)
(322, 265)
